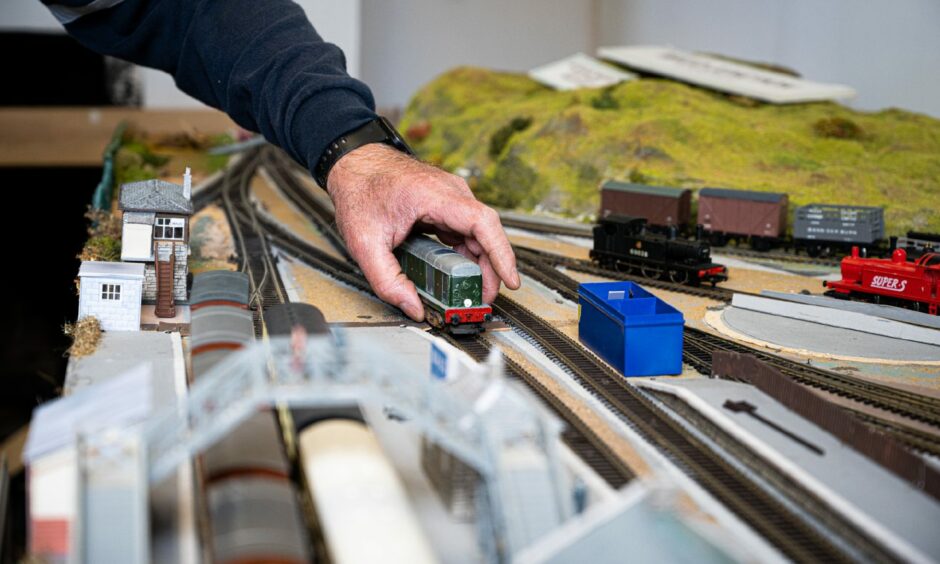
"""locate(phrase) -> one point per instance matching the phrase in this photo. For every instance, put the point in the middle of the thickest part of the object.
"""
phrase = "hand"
(381, 194)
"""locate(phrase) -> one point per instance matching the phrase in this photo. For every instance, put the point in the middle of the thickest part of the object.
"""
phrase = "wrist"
(378, 130)
(360, 165)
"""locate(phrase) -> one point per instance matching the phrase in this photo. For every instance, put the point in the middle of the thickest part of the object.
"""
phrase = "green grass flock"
(528, 146)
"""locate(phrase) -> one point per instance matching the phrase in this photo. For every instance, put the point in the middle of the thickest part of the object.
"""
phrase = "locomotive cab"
(622, 225)
(930, 260)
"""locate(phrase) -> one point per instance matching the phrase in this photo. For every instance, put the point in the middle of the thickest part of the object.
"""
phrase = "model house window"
(110, 291)
(168, 228)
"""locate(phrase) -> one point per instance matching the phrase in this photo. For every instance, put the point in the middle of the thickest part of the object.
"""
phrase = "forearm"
(260, 61)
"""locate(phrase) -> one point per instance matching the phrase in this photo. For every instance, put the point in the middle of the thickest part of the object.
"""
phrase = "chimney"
(187, 184)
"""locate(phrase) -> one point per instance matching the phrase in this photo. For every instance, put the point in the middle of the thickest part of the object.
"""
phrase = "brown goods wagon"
(660, 205)
(743, 213)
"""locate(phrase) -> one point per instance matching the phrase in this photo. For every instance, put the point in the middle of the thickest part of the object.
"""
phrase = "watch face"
(394, 138)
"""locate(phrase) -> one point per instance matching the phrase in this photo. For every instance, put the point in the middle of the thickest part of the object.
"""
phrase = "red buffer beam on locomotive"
(890, 281)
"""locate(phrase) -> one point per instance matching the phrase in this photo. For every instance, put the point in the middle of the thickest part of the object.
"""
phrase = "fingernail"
(516, 281)
(412, 310)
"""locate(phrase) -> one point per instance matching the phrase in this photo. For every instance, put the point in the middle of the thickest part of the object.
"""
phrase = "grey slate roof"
(741, 194)
(665, 191)
(154, 196)
(130, 270)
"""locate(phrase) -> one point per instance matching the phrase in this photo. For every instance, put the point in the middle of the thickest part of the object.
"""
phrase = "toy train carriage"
(219, 288)
(283, 319)
(450, 285)
(895, 281)
(663, 207)
(757, 217)
(622, 243)
(917, 244)
(822, 229)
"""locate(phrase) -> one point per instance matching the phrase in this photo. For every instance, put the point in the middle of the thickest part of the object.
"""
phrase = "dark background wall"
(45, 228)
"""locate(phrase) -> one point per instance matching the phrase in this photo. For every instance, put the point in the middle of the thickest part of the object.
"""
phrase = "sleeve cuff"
(321, 119)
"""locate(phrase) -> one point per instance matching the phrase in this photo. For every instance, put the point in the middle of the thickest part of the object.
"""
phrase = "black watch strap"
(379, 130)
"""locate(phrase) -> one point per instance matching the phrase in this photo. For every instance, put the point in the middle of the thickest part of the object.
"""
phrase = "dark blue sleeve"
(260, 61)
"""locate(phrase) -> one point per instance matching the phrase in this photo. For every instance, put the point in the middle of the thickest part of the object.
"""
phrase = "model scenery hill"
(523, 145)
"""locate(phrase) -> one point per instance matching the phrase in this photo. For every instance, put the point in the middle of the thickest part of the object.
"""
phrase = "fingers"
(482, 223)
(490, 280)
(473, 251)
(449, 238)
(384, 274)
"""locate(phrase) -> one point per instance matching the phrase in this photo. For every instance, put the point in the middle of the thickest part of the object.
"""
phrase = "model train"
(250, 499)
(895, 281)
(221, 321)
(758, 218)
(623, 243)
(283, 320)
(449, 284)
(916, 244)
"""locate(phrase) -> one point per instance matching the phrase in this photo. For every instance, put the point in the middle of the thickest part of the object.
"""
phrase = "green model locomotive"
(449, 284)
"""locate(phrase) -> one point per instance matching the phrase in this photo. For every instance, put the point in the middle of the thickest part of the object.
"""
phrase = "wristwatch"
(379, 130)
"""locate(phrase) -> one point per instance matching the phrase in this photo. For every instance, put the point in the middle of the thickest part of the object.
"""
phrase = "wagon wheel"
(679, 276)
(651, 272)
(434, 318)
(761, 244)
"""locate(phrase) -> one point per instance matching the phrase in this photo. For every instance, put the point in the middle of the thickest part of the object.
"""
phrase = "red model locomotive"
(891, 281)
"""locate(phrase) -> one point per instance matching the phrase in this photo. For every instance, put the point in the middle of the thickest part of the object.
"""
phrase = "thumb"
(389, 283)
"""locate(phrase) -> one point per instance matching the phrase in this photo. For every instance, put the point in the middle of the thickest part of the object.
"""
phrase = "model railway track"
(253, 234)
(572, 230)
(698, 344)
(902, 402)
(915, 438)
(577, 435)
(698, 347)
(860, 541)
(545, 262)
(281, 171)
(252, 249)
(212, 193)
(762, 510)
(794, 537)
(584, 442)
(576, 230)
(775, 256)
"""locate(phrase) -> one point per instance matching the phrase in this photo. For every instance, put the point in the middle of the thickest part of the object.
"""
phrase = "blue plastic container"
(633, 330)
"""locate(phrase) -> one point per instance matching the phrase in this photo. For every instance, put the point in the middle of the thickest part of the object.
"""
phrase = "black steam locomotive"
(623, 243)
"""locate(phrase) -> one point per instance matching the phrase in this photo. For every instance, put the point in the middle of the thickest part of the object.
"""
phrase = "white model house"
(111, 291)
(156, 234)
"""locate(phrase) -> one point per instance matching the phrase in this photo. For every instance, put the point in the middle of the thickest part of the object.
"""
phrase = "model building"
(156, 233)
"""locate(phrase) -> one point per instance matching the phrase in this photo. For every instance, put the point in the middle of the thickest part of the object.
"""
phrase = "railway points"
(780, 513)
(523, 271)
